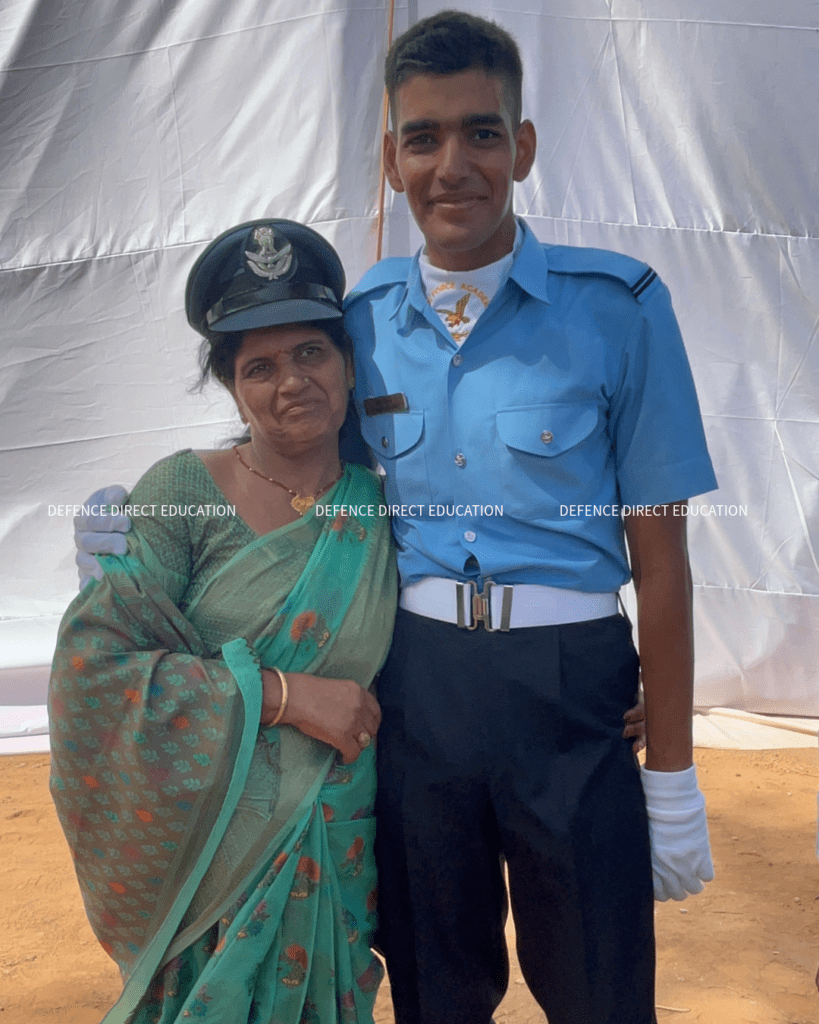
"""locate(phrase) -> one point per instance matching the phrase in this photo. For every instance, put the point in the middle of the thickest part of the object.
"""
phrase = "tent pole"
(384, 122)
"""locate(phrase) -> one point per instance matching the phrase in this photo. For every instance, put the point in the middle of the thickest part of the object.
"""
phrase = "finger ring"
(364, 740)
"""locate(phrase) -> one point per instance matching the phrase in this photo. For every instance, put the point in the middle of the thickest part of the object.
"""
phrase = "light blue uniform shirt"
(573, 389)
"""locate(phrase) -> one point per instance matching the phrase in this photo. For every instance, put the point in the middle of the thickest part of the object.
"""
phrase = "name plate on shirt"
(386, 403)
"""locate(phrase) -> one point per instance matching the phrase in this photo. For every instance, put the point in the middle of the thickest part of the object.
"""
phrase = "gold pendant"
(301, 505)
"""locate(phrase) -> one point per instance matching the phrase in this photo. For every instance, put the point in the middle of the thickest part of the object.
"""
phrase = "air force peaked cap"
(262, 274)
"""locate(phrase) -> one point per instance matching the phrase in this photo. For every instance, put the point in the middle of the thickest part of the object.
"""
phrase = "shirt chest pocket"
(551, 455)
(398, 441)
(393, 435)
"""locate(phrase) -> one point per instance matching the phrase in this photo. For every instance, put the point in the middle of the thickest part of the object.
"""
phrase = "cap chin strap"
(237, 299)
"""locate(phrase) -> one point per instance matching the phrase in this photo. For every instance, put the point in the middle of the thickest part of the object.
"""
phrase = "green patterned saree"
(227, 869)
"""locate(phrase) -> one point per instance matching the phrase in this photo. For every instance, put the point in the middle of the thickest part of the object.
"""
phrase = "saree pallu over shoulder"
(154, 727)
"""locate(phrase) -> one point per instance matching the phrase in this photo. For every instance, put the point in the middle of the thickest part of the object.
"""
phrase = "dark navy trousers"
(507, 747)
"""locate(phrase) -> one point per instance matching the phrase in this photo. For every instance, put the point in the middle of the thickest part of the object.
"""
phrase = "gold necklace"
(299, 503)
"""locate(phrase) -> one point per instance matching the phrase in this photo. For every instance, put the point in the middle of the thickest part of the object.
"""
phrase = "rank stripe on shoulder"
(638, 277)
(640, 286)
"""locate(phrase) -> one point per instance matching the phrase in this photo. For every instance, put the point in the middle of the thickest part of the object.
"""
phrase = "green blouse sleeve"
(162, 541)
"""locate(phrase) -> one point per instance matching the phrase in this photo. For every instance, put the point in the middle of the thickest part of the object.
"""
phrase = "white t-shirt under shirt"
(459, 297)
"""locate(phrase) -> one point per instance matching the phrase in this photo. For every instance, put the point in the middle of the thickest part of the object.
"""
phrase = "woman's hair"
(217, 353)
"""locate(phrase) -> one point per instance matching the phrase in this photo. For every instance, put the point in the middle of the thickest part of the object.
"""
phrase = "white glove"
(678, 829)
(100, 534)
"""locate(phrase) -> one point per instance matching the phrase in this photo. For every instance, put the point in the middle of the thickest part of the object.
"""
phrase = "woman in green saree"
(211, 723)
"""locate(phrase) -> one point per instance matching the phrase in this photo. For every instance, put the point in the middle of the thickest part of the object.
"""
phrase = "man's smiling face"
(456, 154)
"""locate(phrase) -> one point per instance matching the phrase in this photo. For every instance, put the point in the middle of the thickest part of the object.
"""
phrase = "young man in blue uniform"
(493, 371)
(496, 371)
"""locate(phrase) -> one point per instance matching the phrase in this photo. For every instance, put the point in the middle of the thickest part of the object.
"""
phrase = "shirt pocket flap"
(547, 429)
(392, 434)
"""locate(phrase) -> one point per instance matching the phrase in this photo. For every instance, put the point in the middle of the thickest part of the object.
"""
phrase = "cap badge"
(269, 262)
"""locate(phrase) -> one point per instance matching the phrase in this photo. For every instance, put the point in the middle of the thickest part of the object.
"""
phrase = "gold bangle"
(281, 710)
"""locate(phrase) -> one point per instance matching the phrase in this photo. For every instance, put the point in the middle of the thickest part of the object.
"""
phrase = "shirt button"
(470, 535)
(385, 443)
(457, 360)
(460, 460)
(547, 437)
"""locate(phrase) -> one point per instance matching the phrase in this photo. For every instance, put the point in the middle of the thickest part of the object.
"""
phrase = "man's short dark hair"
(453, 41)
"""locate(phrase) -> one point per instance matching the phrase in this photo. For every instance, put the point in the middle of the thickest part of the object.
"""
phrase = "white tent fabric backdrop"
(682, 132)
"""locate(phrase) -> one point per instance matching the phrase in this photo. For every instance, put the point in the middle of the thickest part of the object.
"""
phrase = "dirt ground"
(743, 952)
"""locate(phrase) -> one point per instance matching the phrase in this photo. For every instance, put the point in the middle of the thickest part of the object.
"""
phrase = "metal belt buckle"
(482, 606)
(460, 593)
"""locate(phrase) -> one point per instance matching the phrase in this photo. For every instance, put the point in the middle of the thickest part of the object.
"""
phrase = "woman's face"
(291, 385)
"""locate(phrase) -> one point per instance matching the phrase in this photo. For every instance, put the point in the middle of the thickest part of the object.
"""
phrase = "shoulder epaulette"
(393, 270)
(636, 276)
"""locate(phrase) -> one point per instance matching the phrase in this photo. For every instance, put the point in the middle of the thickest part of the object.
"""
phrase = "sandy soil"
(743, 952)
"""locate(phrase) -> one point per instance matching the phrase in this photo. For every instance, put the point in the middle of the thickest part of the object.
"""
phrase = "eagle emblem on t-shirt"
(456, 316)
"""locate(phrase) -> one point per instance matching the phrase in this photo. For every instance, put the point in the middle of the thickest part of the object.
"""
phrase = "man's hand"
(635, 719)
(680, 849)
(102, 534)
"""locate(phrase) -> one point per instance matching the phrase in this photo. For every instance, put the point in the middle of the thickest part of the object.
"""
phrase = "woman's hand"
(635, 719)
(336, 711)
